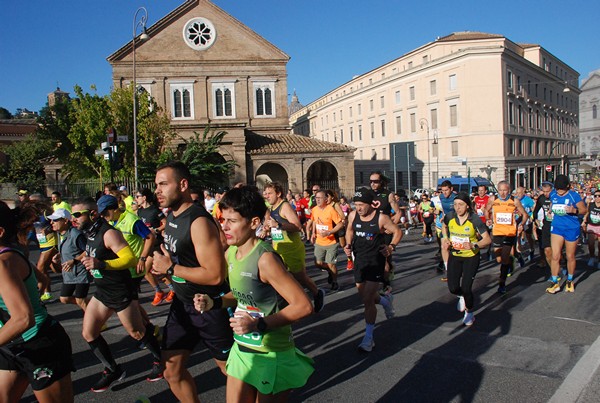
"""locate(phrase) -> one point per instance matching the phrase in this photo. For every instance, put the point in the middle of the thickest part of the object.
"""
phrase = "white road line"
(579, 377)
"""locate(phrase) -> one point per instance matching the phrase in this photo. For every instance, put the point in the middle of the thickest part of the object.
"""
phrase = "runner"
(332, 199)
(591, 224)
(193, 258)
(446, 206)
(480, 201)
(365, 238)
(528, 204)
(264, 364)
(501, 213)
(543, 221)
(427, 210)
(565, 230)
(108, 258)
(58, 202)
(464, 234)
(35, 349)
(285, 228)
(326, 222)
(71, 248)
(155, 220)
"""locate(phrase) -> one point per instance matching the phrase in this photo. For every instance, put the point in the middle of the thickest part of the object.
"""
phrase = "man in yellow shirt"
(58, 202)
(326, 222)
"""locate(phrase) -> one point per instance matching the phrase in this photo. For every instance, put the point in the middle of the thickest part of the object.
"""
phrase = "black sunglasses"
(374, 180)
(78, 214)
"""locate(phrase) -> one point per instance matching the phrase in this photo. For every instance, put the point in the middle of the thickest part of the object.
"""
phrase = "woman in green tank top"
(24, 357)
(264, 360)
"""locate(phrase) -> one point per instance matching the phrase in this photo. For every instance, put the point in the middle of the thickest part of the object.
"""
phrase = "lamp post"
(142, 24)
(424, 122)
(436, 141)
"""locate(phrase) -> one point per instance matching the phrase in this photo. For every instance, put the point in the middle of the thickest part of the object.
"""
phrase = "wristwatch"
(393, 245)
(171, 270)
(143, 258)
(261, 326)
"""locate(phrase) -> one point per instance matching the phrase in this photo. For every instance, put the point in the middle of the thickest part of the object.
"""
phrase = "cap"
(22, 192)
(60, 213)
(122, 188)
(547, 183)
(107, 202)
(561, 182)
(364, 195)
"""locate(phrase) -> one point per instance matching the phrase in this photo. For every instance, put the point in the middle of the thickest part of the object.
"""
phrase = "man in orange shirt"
(326, 222)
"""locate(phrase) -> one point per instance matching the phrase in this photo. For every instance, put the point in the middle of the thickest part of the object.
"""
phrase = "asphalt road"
(522, 347)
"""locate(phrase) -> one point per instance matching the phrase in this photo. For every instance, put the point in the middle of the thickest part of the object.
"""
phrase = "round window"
(199, 33)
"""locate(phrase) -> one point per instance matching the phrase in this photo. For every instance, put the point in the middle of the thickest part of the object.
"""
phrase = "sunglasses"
(78, 214)
(596, 195)
(374, 180)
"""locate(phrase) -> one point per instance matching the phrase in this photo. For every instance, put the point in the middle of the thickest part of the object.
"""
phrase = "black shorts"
(185, 327)
(136, 283)
(117, 300)
(368, 273)
(546, 236)
(44, 359)
(75, 290)
(499, 241)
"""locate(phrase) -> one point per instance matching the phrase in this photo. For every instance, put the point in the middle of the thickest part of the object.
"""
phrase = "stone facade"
(204, 68)
(589, 123)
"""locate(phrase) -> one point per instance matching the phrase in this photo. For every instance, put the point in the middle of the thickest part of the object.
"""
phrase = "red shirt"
(302, 208)
(480, 203)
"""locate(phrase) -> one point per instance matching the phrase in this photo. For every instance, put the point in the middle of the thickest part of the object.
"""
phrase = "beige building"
(589, 122)
(204, 67)
(468, 102)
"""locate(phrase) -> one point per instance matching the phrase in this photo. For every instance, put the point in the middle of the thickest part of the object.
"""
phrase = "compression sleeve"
(125, 260)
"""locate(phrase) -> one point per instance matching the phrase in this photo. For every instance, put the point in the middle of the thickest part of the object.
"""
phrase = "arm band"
(125, 260)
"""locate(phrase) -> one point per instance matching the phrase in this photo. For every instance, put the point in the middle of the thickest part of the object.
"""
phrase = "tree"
(25, 166)
(201, 155)
(54, 126)
(5, 114)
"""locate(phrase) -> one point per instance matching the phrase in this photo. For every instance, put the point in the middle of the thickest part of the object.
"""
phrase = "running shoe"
(158, 297)
(501, 288)
(156, 374)
(108, 378)
(46, 297)
(468, 319)
(405, 232)
(553, 289)
(335, 286)
(592, 262)
(350, 265)
(366, 344)
(389, 307)
(319, 300)
(570, 287)
(460, 306)
(444, 278)
(170, 296)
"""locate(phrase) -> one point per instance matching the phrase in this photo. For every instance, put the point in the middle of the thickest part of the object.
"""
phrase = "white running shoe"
(389, 307)
(468, 319)
(460, 306)
(366, 344)
(592, 262)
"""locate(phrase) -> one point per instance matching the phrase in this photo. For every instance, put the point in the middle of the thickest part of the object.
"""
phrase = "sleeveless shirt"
(366, 242)
(96, 248)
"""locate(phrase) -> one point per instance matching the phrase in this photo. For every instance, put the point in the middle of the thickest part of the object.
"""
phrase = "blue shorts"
(570, 234)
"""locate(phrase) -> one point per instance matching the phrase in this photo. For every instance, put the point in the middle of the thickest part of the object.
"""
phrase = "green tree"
(201, 155)
(5, 114)
(25, 162)
(54, 126)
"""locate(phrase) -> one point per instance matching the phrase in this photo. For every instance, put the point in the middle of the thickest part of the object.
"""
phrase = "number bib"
(559, 209)
(459, 242)
(595, 218)
(480, 212)
(504, 218)
(276, 234)
(321, 227)
(96, 273)
(41, 237)
(178, 280)
(254, 339)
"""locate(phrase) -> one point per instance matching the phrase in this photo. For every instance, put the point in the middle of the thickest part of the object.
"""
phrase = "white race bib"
(504, 218)
(459, 242)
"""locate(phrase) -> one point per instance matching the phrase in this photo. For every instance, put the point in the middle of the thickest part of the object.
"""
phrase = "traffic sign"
(521, 170)
(548, 168)
(123, 139)
(110, 135)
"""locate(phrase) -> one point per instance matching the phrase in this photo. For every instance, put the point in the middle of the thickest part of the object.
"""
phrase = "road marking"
(579, 377)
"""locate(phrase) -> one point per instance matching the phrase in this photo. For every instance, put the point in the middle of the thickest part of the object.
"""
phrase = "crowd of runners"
(232, 266)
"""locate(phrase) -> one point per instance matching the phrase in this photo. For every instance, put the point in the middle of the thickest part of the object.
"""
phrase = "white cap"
(122, 188)
(60, 213)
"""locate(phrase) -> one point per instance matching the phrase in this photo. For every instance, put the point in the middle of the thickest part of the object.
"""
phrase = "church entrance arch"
(272, 172)
(324, 174)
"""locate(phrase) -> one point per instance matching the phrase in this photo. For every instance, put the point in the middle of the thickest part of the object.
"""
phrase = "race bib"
(276, 234)
(178, 280)
(307, 211)
(321, 227)
(559, 209)
(254, 339)
(480, 212)
(504, 218)
(426, 214)
(96, 273)
(459, 242)
(41, 237)
(595, 218)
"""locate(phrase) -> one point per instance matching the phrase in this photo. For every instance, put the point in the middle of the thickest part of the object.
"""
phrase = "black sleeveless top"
(384, 202)
(178, 241)
(366, 242)
(95, 247)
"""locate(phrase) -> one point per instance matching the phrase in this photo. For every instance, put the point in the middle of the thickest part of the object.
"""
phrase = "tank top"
(278, 234)
(258, 299)
(503, 212)
(594, 216)
(95, 247)
(383, 197)
(39, 311)
(151, 216)
(480, 203)
(366, 242)
(178, 242)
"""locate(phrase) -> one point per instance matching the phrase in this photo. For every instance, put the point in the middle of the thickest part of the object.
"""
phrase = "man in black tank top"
(192, 255)
(365, 238)
(108, 258)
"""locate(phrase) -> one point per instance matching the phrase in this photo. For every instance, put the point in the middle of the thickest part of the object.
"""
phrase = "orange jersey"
(504, 217)
(325, 219)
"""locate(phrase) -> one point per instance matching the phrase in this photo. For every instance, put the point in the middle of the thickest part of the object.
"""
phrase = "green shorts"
(270, 373)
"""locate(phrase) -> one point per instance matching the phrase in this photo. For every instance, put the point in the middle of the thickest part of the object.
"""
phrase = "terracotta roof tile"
(468, 35)
(17, 127)
(290, 144)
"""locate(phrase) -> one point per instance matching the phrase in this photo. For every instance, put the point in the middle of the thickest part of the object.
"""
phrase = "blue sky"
(44, 43)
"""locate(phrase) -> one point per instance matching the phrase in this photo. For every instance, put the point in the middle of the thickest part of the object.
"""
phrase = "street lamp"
(424, 122)
(436, 141)
(137, 24)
